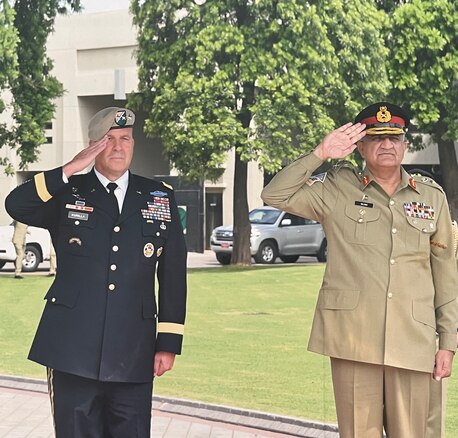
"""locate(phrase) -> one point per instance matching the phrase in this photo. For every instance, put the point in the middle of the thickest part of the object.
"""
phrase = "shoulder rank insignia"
(167, 185)
(316, 178)
(342, 164)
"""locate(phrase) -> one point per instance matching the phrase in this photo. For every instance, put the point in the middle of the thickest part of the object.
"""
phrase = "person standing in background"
(19, 235)
(52, 260)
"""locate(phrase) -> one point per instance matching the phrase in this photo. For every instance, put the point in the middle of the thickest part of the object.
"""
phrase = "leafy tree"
(424, 72)
(35, 88)
(8, 67)
(262, 76)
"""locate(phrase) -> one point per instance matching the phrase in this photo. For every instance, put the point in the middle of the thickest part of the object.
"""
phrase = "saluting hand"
(84, 158)
(340, 142)
(163, 362)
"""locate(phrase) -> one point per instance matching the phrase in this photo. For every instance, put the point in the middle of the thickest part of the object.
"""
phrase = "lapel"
(92, 190)
(136, 198)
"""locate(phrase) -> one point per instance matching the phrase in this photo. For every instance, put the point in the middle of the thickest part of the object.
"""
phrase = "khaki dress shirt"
(391, 278)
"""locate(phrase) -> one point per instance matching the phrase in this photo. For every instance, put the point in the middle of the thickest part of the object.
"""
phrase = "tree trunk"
(449, 168)
(242, 228)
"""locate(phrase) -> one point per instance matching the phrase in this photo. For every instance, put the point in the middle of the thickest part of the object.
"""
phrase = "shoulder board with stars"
(426, 181)
(167, 185)
(344, 164)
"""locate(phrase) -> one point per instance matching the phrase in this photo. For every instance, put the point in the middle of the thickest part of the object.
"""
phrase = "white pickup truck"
(274, 233)
(38, 243)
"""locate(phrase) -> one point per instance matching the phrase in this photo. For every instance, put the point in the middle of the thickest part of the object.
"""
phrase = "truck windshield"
(264, 216)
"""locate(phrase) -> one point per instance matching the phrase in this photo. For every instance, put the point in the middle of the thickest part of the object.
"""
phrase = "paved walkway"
(25, 413)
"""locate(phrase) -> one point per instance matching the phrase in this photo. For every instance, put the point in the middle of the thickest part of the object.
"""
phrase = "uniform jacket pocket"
(424, 314)
(63, 295)
(338, 299)
(360, 224)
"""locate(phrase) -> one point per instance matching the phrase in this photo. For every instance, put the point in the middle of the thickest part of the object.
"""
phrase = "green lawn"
(245, 341)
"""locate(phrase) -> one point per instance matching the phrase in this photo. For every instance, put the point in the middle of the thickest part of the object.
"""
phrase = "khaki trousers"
(370, 398)
(20, 250)
(437, 403)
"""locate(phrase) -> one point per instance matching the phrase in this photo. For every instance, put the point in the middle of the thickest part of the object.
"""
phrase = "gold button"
(390, 295)
(424, 230)
(117, 229)
(111, 286)
(53, 300)
(158, 233)
(391, 202)
(392, 261)
(77, 222)
(360, 220)
(115, 248)
(394, 230)
(113, 267)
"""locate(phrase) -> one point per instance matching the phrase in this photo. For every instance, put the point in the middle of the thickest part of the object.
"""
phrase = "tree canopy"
(423, 68)
(266, 77)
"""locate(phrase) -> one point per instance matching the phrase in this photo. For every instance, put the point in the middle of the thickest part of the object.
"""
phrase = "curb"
(290, 426)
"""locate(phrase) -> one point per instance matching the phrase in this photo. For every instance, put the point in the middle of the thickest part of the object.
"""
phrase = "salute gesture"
(85, 157)
(340, 142)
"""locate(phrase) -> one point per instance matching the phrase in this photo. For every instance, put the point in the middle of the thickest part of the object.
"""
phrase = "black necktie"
(114, 201)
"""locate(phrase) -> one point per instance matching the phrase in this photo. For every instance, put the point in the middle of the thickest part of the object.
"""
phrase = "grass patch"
(245, 341)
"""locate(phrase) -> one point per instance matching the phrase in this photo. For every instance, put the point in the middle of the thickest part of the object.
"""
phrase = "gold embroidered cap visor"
(109, 118)
(384, 118)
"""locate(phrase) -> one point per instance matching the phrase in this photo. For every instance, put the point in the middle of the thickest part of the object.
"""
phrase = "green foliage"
(264, 76)
(424, 63)
(8, 67)
(35, 89)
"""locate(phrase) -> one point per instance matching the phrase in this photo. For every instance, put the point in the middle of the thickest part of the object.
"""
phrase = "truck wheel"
(289, 258)
(267, 252)
(223, 258)
(31, 260)
(322, 255)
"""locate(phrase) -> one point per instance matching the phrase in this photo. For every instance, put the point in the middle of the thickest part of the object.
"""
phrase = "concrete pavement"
(25, 413)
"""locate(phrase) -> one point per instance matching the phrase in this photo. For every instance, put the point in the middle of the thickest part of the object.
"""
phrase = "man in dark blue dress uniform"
(102, 336)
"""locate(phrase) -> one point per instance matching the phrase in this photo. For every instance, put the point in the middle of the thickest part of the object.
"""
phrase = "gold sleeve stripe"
(170, 327)
(40, 185)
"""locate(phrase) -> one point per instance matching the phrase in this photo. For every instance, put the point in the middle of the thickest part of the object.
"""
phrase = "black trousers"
(86, 408)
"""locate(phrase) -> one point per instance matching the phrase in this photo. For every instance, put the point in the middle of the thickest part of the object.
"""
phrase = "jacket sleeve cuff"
(447, 341)
(169, 342)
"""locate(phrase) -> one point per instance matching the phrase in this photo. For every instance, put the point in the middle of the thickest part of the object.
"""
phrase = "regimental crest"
(121, 118)
(383, 116)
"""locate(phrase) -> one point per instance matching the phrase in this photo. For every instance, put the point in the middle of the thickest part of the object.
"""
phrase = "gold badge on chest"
(148, 250)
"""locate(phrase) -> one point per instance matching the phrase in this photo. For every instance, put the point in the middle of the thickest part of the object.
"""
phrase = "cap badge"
(121, 118)
(383, 116)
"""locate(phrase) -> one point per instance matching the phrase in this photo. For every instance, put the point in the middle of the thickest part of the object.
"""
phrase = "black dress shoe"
(18, 276)
(51, 274)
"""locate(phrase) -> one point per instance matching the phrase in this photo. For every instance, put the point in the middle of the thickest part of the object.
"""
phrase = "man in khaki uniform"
(390, 281)
(19, 234)
(438, 395)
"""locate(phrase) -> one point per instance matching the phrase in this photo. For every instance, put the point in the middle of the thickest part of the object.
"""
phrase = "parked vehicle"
(38, 242)
(274, 233)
